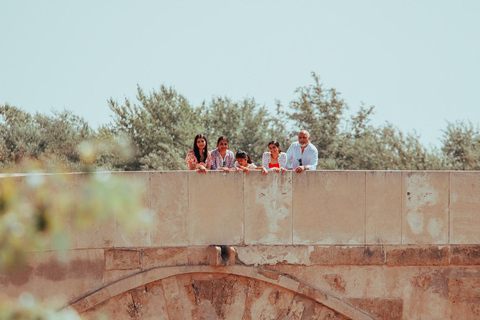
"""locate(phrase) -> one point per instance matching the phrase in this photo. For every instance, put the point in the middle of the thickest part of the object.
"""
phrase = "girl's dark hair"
(195, 148)
(222, 138)
(243, 155)
(274, 142)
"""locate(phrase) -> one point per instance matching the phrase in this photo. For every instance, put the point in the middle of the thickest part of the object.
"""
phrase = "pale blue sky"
(417, 62)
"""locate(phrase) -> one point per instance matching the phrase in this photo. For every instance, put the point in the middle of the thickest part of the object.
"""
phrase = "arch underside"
(203, 292)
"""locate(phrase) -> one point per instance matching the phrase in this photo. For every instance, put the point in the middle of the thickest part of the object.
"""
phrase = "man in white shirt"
(302, 155)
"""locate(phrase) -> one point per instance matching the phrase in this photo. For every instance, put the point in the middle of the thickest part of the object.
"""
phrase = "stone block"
(119, 259)
(273, 255)
(465, 255)
(140, 179)
(91, 233)
(385, 309)
(170, 208)
(268, 208)
(216, 208)
(465, 309)
(197, 255)
(132, 235)
(383, 207)
(464, 288)
(358, 255)
(425, 207)
(214, 256)
(321, 255)
(173, 299)
(160, 257)
(329, 207)
(47, 277)
(418, 256)
(465, 207)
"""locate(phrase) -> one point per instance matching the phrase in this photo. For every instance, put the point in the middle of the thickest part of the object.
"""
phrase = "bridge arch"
(184, 292)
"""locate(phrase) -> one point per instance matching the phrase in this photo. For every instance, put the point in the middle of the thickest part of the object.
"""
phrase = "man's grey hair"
(306, 132)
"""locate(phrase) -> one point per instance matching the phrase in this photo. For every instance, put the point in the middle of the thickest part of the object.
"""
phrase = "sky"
(416, 62)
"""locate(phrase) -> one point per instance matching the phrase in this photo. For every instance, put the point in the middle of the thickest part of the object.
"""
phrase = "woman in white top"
(275, 160)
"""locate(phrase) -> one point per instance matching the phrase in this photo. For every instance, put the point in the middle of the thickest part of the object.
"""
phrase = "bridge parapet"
(314, 208)
(352, 244)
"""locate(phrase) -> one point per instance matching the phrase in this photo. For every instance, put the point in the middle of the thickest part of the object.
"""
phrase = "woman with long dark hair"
(275, 160)
(199, 158)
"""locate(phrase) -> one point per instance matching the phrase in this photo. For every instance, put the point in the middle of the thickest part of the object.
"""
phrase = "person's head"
(303, 138)
(274, 148)
(243, 158)
(222, 143)
(200, 144)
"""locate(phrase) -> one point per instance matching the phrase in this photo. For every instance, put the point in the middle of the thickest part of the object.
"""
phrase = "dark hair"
(222, 138)
(243, 155)
(274, 142)
(195, 148)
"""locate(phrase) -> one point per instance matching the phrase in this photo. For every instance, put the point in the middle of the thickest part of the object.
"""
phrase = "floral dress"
(191, 159)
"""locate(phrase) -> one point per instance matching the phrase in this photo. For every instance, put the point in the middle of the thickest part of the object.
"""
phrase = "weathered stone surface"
(268, 208)
(141, 303)
(384, 309)
(418, 256)
(170, 207)
(208, 296)
(465, 309)
(465, 255)
(95, 234)
(320, 254)
(425, 207)
(336, 282)
(124, 234)
(464, 288)
(120, 259)
(47, 278)
(215, 218)
(271, 255)
(172, 297)
(465, 207)
(358, 255)
(383, 207)
(157, 257)
(329, 207)
(197, 255)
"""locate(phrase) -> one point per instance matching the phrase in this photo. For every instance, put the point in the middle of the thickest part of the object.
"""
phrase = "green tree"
(248, 126)
(161, 126)
(33, 136)
(318, 111)
(461, 146)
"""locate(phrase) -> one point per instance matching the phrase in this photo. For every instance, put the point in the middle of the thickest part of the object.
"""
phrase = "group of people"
(300, 156)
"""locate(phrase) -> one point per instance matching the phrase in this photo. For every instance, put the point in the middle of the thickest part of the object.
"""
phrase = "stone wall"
(317, 245)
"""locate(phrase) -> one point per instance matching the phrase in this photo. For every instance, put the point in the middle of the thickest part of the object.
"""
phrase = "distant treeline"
(156, 131)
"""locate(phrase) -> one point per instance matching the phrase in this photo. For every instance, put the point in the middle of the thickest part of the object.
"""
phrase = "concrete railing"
(318, 207)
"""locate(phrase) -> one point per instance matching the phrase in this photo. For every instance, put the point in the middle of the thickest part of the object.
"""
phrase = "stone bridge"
(316, 245)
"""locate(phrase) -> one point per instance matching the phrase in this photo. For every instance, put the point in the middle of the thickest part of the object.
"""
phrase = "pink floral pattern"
(191, 159)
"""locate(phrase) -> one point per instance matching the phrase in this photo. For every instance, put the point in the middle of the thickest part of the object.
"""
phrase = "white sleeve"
(266, 159)
(314, 160)
(282, 160)
(290, 157)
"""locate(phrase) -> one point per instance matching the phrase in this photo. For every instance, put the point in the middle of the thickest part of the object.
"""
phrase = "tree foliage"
(162, 124)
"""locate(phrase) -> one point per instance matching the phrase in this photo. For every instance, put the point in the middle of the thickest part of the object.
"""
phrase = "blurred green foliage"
(40, 211)
(162, 124)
